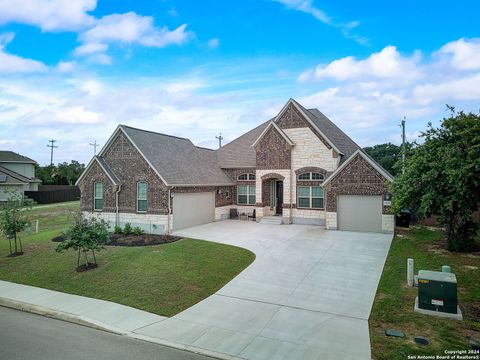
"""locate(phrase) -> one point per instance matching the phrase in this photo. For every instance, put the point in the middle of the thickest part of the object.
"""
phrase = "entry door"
(279, 197)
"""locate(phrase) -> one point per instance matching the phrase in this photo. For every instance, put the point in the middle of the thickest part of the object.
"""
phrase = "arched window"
(98, 196)
(246, 177)
(142, 196)
(313, 176)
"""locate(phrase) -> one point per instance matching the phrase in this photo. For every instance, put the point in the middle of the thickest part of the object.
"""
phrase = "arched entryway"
(272, 193)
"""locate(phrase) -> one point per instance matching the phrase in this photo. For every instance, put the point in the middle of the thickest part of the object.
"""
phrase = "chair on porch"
(233, 214)
(253, 216)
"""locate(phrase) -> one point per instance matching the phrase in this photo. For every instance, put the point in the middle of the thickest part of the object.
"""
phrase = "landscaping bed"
(133, 240)
(394, 301)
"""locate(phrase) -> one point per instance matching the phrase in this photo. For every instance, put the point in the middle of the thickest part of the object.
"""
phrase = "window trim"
(146, 196)
(310, 198)
(95, 198)
(247, 195)
(250, 177)
(310, 176)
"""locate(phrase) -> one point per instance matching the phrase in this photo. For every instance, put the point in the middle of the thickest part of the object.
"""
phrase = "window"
(246, 195)
(246, 177)
(311, 176)
(98, 196)
(310, 197)
(142, 196)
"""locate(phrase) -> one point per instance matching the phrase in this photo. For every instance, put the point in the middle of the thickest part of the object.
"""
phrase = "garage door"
(193, 209)
(359, 213)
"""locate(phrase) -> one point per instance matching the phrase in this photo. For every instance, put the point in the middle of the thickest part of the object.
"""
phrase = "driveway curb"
(84, 321)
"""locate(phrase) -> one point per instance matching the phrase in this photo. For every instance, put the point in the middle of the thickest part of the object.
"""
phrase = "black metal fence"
(48, 194)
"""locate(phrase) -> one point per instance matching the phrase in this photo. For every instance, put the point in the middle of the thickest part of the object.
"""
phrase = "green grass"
(393, 307)
(163, 279)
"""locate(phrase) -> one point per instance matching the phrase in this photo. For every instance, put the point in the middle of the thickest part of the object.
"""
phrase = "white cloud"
(308, 7)
(66, 66)
(213, 43)
(462, 54)
(90, 48)
(49, 15)
(10, 63)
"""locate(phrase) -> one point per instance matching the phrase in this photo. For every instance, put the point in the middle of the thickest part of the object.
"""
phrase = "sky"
(74, 70)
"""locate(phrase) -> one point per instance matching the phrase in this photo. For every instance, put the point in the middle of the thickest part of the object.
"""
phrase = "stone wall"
(149, 223)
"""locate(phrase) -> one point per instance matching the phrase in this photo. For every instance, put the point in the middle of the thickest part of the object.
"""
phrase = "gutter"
(117, 220)
(291, 187)
(169, 207)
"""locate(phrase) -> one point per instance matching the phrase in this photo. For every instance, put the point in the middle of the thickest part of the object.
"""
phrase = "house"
(17, 174)
(298, 166)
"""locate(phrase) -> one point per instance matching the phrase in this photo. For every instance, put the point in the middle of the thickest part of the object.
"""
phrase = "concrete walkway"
(307, 295)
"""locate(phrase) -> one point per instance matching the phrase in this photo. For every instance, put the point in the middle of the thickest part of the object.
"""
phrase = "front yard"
(162, 279)
(393, 307)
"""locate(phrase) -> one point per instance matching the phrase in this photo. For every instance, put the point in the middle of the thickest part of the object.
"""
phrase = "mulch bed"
(85, 267)
(15, 254)
(140, 240)
(133, 240)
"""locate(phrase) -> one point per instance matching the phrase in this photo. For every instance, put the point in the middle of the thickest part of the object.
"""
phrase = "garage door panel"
(360, 213)
(193, 209)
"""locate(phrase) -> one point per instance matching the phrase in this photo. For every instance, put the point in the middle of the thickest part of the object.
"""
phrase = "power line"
(51, 151)
(220, 138)
(95, 147)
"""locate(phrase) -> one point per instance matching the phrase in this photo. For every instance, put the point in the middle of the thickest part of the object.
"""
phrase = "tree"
(13, 219)
(61, 174)
(389, 155)
(85, 235)
(442, 177)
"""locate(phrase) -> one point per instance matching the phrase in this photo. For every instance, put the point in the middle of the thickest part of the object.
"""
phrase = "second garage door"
(193, 209)
(359, 213)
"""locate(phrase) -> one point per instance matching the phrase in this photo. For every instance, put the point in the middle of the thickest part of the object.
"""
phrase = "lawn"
(393, 307)
(163, 279)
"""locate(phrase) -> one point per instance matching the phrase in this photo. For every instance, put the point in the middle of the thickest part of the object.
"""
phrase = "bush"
(137, 230)
(117, 229)
(127, 229)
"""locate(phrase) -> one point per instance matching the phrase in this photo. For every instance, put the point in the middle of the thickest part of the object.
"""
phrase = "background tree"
(61, 174)
(389, 155)
(84, 236)
(442, 177)
(13, 220)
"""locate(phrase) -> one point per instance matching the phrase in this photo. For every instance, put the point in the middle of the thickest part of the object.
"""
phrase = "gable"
(291, 118)
(273, 151)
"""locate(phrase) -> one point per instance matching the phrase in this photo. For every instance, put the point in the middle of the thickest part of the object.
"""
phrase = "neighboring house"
(17, 174)
(299, 166)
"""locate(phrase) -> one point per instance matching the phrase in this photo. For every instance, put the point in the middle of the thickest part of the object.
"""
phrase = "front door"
(279, 197)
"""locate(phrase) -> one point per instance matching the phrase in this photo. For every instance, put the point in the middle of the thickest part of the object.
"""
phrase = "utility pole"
(403, 145)
(220, 138)
(51, 146)
(95, 147)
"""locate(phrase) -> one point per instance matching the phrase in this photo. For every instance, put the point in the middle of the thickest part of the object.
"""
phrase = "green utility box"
(437, 291)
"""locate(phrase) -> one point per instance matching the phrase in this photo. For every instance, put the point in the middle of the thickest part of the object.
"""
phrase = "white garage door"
(359, 213)
(193, 209)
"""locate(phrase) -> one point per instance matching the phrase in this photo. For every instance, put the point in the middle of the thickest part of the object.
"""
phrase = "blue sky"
(74, 70)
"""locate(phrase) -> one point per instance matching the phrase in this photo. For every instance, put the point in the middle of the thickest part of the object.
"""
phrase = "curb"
(84, 321)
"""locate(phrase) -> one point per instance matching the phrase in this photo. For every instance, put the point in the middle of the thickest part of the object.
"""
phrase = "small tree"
(13, 220)
(442, 177)
(85, 235)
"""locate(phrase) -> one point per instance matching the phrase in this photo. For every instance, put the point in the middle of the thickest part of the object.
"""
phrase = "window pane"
(305, 176)
(317, 203)
(251, 200)
(142, 190)
(242, 199)
(303, 202)
(98, 190)
(251, 176)
(142, 205)
(251, 189)
(98, 204)
(242, 189)
(317, 191)
(304, 191)
(317, 176)
(243, 177)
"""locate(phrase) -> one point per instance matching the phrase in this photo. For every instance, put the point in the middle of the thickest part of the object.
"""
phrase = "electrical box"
(437, 291)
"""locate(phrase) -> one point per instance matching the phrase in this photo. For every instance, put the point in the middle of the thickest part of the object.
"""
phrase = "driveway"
(307, 295)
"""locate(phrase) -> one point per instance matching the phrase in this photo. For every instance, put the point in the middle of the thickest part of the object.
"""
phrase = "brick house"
(298, 167)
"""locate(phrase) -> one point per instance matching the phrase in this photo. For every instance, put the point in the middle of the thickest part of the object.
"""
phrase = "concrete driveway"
(307, 295)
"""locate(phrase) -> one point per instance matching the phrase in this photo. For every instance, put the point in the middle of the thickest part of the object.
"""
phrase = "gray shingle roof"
(239, 153)
(13, 177)
(11, 156)
(178, 160)
(107, 169)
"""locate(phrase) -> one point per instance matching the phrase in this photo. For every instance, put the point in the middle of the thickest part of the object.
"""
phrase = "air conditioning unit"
(437, 291)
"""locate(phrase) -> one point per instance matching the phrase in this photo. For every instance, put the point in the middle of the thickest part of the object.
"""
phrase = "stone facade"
(273, 151)
(150, 223)
(357, 178)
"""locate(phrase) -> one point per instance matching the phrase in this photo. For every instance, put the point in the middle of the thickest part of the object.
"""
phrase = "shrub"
(127, 229)
(137, 230)
(117, 229)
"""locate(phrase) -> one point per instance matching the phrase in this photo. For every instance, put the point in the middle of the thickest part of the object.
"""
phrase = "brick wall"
(94, 174)
(273, 151)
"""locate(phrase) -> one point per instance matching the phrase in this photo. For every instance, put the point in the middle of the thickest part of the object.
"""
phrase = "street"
(28, 336)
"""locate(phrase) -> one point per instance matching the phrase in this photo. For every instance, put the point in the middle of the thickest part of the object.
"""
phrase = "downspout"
(291, 186)
(117, 220)
(169, 209)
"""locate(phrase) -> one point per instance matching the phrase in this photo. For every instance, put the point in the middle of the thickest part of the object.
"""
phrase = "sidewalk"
(98, 314)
